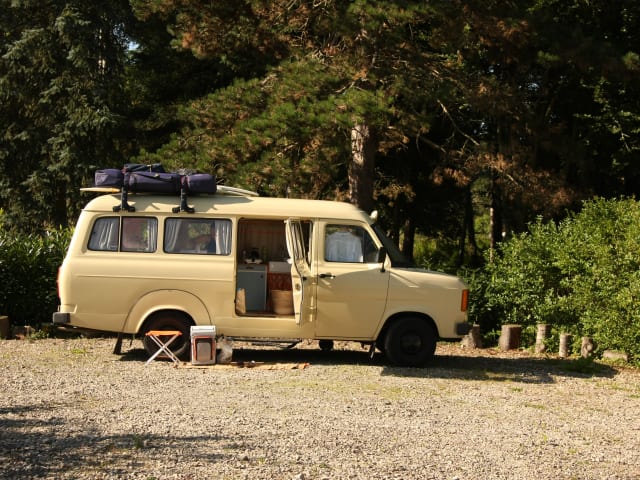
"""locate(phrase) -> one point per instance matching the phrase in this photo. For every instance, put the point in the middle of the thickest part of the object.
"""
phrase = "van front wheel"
(169, 321)
(410, 342)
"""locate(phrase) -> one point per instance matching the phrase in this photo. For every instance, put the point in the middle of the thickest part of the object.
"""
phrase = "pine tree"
(60, 102)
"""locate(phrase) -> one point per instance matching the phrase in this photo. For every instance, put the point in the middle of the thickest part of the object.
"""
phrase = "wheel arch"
(165, 311)
(165, 301)
(399, 315)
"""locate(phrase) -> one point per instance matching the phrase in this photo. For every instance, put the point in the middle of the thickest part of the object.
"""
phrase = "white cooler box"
(203, 345)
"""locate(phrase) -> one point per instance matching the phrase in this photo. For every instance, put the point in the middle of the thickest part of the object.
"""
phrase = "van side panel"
(112, 291)
(433, 294)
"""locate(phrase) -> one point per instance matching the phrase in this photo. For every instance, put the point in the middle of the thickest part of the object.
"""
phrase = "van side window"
(105, 234)
(349, 244)
(139, 234)
(197, 235)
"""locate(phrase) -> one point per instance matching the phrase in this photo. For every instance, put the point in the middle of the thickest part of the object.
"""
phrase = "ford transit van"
(255, 268)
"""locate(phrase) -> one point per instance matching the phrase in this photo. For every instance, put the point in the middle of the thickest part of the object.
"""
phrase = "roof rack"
(183, 207)
(153, 179)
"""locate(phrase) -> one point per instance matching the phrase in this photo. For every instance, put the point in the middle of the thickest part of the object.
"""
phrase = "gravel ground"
(71, 409)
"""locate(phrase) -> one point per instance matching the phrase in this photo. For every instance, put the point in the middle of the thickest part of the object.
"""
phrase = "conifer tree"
(60, 101)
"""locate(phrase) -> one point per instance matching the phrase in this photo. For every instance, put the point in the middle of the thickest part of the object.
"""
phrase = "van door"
(301, 277)
(351, 293)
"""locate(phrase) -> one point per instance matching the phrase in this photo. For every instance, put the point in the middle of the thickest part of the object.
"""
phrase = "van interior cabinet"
(253, 279)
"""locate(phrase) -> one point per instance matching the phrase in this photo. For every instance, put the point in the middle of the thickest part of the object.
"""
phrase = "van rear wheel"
(169, 321)
(410, 342)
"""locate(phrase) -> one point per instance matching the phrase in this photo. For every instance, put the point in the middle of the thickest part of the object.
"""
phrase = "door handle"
(327, 275)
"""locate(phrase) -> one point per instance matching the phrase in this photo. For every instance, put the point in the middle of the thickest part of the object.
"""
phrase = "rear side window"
(125, 234)
(202, 236)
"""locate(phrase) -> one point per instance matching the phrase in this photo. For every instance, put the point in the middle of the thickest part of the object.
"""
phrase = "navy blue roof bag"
(199, 183)
(153, 182)
(109, 177)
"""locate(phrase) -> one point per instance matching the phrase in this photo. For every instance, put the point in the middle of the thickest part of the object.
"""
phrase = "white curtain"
(171, 231)
(152, 234)
(104, 235)
(223, 237)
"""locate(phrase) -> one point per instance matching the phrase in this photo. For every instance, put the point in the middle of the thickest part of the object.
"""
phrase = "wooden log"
(473, 338)
(510, 337)
(565, 345)
(5, 330)
(541, 336)
(22, 332)
(615, 356)
(587, 347)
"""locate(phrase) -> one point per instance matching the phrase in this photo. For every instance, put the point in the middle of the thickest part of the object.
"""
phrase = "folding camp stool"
(163, 347)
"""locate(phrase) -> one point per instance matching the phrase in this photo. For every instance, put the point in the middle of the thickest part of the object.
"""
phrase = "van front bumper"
(61, 318)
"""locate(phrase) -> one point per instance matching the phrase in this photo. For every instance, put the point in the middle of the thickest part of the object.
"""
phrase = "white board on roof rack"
(222, 189)
(236, 191)
(101, 189)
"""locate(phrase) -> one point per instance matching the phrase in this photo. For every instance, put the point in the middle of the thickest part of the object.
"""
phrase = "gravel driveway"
(71, 409)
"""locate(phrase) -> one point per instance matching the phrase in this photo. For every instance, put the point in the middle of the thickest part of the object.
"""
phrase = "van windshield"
(397, 258)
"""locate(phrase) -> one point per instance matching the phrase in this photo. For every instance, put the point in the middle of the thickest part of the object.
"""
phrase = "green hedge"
(28, 273)
(581, 275)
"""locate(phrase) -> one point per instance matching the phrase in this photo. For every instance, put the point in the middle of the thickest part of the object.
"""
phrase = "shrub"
(28, 269)
(581, 275)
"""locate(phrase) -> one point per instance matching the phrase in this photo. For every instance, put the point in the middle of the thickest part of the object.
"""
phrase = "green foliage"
(28, 271)
(60, 103)
(581, 275)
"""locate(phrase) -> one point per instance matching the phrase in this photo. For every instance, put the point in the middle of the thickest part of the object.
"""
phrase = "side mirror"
(382, 256)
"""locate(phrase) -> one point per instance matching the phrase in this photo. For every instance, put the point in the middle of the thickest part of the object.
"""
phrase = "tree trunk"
(468, 229)
(409, 232)
(495, 218)
(362, 168)
(59, 213)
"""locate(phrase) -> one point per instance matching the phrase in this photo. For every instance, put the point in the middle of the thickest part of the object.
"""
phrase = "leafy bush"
(28, 269)
(581, 276)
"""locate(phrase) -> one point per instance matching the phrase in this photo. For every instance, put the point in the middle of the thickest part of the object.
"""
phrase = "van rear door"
(301, 277)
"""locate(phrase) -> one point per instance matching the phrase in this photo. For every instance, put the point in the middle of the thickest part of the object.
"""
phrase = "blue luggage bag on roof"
(152, 182)
(109, 177)
(199, 183)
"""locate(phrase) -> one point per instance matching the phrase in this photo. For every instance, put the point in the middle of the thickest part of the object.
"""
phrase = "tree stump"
(472, 339)
(541, 336)
(615, 356)
(5, 329)
(510, 337)
(587, 347)
(565, 345)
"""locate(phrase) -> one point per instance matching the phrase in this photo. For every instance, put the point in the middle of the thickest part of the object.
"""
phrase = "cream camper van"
(255, 268)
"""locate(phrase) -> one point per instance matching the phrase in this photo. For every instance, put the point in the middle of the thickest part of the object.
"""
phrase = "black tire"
(181, 346)
(325, 345)
(410, 342)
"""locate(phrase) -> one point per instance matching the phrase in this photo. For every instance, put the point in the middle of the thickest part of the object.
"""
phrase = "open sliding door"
(301, 279)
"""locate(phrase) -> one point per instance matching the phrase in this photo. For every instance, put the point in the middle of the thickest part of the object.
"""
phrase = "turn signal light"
(465, 300)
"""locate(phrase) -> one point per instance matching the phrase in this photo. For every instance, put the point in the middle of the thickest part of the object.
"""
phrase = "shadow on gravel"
(463, 367)
(43, 448)
(519, 369)
(279, 355)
